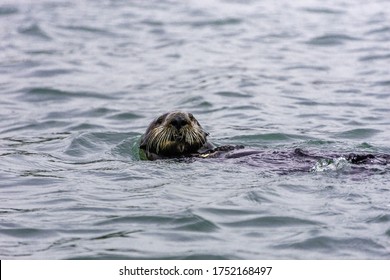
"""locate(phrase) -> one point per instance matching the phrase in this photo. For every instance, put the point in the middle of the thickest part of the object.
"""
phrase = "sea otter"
(179, 135)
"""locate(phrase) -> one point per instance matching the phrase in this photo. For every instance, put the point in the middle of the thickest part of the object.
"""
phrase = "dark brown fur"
(174, 134)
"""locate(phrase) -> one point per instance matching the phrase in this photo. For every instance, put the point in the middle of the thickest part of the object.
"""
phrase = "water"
(81, 80)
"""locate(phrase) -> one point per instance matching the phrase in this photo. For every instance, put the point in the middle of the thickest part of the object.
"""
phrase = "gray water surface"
(80, 81)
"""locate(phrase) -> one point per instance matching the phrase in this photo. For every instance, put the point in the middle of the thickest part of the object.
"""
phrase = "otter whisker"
(164, 139)
(196, 136)
(193, 137)
(156, 136)
(189, 136)
(160, 139)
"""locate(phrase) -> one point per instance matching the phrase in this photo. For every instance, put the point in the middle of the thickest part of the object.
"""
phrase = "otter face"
(173, 134)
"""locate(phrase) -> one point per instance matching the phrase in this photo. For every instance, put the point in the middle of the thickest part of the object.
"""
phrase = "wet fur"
(163, 140)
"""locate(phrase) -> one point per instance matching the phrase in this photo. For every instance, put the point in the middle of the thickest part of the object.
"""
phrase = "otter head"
(173, 134)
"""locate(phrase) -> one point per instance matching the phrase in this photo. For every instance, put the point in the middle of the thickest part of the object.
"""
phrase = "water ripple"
(375, 57)
(273, 221)
(328, 243)
(51, 94)
(331, 40)
(81, 81)
(8, 10)
(359, 133)
(324, 11)
(35, 30)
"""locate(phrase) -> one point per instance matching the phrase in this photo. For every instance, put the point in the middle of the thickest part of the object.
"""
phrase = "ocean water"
(80, 81)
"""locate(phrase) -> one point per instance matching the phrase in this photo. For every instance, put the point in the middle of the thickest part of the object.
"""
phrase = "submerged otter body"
(179, 135)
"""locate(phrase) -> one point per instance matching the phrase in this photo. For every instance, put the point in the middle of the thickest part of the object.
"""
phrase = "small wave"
(360, 133)
(331, 40)
(382, 218)
(348, 245)
(28, 233)
(125, 116)
(272, 221)
(34, 30)
(217, 22)
(152, 22)
(308, 68)
(36, 125)
(233, 94)
(92, 142)
(379, 30)
(385, 83)
(269, 137)
(38, 94)
(8, 10)
(84, 127)
(89, 29)
(324, 11)
(375, 57)
(49, 73)
(128, 148)
(196, 224)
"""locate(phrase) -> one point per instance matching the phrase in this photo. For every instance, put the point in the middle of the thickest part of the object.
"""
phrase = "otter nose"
(178, 122)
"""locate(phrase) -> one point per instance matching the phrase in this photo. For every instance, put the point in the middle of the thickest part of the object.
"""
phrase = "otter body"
(179, 135)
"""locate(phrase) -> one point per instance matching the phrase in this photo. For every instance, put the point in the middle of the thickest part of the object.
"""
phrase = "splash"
(324, 165)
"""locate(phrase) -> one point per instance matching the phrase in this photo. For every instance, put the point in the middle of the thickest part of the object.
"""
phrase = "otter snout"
(179, 121)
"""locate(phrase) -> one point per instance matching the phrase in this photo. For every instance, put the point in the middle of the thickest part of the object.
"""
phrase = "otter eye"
(160, 120)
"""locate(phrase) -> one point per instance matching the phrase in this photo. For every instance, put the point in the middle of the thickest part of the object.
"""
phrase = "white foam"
(336, 164)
